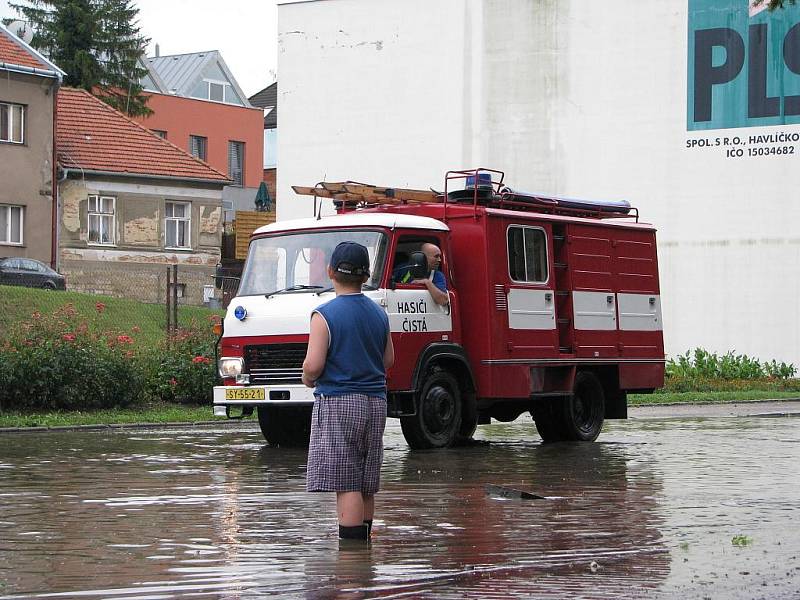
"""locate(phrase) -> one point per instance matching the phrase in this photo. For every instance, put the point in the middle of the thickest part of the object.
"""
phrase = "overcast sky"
(244, 31)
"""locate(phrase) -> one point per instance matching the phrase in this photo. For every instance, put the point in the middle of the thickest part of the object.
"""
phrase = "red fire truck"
(554, 309)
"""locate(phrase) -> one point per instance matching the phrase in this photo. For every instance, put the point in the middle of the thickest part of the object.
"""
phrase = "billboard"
(743, 65)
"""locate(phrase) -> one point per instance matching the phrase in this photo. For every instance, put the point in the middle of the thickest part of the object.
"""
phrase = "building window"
(12, 123)
(178, 225)
(101, 220)
(197, 146)
(10, 224)
(236, 162)
(527, 254)
(220, 91)
(216, 91)
(160, 133)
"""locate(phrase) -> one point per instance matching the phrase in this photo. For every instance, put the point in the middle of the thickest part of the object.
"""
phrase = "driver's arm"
(438, 295)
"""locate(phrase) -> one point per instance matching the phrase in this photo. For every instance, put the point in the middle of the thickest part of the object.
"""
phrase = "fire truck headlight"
(230, 367)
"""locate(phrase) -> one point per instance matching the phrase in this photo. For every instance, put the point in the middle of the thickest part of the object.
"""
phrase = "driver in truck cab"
(435, 283)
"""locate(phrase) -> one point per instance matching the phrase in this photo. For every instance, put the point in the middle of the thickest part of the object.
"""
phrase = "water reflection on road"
(650, 510)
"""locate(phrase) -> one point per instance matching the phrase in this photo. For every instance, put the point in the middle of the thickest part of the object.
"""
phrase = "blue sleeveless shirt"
(354, 365)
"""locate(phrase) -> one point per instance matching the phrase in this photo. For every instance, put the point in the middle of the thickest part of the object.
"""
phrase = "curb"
(121, 426)
(711, 403)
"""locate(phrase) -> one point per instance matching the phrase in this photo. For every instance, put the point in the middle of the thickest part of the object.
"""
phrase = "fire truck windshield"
(296, 262)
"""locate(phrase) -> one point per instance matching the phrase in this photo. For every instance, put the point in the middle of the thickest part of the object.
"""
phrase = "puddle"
(651, 509)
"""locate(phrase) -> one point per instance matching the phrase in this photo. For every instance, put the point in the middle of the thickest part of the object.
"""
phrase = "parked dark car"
(30, 273)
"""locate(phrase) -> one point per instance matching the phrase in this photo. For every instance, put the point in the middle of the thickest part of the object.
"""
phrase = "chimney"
(158, 51)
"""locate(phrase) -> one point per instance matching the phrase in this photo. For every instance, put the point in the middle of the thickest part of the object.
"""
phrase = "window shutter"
(235, 162)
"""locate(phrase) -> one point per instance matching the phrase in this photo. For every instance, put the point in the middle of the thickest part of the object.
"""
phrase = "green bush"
(701, 364)
(56, 362)
(181, 368)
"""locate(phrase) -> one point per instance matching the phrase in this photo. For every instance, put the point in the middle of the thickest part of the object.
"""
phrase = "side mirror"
(419, 265)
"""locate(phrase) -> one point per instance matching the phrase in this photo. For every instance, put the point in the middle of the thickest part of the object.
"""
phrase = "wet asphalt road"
(673, 503)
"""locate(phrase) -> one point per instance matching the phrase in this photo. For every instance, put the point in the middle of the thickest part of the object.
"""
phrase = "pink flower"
(201, 359)
(68, 337)
(124, 339)
(100, 307)
(172, 382)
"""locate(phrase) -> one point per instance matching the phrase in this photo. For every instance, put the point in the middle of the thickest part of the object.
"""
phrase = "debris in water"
(504, 492)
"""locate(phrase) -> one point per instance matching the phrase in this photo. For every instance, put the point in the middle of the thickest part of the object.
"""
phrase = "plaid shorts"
(346, 448)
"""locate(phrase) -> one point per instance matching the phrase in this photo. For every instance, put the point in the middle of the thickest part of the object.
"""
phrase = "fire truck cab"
(554, 309)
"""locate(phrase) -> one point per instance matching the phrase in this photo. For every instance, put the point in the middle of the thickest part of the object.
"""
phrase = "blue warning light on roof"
(240, 312)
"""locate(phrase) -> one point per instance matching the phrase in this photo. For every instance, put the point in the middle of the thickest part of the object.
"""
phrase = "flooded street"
(666, 504)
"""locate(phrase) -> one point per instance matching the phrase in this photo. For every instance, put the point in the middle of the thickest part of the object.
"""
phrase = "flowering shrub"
(56, 362)
(182, 367)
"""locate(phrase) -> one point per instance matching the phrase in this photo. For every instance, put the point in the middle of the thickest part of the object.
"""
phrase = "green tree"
(773, 4)
(97, 43)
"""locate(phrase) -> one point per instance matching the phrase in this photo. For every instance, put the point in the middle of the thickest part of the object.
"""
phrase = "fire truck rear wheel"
(438, 419)
(289, 427)
(585, 409)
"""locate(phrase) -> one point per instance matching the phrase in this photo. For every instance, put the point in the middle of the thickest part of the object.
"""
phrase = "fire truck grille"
(271, 364)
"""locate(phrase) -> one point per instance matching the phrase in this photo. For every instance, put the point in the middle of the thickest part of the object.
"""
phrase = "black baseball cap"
(350, 258)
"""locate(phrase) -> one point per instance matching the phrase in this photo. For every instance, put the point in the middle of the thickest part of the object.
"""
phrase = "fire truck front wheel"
(289, 426)
(585, 409)
(437, 420)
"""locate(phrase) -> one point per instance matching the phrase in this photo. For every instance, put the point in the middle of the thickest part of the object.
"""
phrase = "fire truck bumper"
(256, 395)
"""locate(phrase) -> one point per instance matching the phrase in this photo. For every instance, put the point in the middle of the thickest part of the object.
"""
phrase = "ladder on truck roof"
(351, 195)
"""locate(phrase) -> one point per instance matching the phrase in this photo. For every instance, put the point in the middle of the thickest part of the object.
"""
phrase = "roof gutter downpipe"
(56, 208)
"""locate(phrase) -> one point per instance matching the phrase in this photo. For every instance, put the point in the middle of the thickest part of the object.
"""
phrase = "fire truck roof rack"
(484, 187)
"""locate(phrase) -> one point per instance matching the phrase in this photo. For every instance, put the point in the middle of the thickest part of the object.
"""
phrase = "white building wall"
(568, 97)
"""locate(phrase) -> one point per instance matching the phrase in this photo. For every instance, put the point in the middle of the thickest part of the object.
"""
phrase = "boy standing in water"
(349, 350)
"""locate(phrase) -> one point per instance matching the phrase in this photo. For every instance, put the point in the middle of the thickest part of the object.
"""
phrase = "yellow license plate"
(245, 394)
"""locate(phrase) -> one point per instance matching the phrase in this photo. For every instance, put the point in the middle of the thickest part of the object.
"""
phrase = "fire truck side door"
(414, 318)
(530, 295)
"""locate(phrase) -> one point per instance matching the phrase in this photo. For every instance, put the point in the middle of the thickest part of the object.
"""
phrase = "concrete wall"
(372, 93)
(134, 267)
(569, 98)
(28, 168)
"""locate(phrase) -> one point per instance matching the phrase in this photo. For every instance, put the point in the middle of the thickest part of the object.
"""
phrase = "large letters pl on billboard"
(744, 65)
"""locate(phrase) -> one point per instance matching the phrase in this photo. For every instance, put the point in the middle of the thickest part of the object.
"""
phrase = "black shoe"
(355, 532)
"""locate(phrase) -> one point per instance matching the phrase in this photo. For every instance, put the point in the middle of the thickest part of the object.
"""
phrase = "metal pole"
(166, 304)
(175, 298)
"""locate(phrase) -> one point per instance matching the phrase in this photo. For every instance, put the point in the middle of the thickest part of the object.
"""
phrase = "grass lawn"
(156, 413)
(18, 303)
(708, 397)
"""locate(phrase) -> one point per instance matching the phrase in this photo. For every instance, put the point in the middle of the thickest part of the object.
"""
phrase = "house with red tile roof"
(131, 204)
(28, 84)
